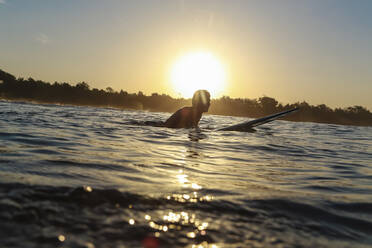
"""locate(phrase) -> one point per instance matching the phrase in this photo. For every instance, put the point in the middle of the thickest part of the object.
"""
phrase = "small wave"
(90, 165)
(41, 215)
(285, 185)
(316, 219)
(354, 207)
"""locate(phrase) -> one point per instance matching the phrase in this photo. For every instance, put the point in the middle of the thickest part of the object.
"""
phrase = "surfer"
(188, 117)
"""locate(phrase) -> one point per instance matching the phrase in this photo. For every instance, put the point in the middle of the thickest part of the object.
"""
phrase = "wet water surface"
(99, 177)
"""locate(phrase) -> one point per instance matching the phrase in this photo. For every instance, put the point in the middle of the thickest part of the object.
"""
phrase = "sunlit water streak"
(97, 177)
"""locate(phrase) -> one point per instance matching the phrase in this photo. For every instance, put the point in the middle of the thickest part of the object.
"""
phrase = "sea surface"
(99, 177)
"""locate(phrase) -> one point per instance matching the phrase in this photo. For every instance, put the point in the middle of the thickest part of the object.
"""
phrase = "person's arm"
(174, 120)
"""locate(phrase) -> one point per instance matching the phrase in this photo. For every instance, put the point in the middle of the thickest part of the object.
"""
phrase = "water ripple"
(100, 177)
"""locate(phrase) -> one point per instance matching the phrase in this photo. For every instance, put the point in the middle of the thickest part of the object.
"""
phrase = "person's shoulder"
(181, 110)
(179, 117)
(185, 109)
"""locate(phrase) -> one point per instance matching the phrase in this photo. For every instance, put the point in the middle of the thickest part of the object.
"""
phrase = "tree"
(82, 86)
(110, 90)
(7, 77)
(268, 104)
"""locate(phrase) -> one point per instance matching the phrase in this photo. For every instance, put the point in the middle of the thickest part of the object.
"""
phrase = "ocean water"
(98, 177)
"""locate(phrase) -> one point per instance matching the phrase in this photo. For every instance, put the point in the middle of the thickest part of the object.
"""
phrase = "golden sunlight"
(199, 70)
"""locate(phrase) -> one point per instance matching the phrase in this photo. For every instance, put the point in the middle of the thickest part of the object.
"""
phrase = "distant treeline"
(13, 88)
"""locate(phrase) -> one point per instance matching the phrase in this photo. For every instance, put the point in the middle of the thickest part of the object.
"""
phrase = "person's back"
(189, 117)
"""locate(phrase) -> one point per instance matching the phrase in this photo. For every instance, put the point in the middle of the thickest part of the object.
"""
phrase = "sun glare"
(199, 70)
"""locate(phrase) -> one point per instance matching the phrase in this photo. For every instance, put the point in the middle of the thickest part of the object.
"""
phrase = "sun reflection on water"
(204, 245)
(193, 197)
(164, 223)
(179, 221)
(182, 178)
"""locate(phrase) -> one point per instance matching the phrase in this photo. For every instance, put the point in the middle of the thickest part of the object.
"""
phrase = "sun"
(198, 70)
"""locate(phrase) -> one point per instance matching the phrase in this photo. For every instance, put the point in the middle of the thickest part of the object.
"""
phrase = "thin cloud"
(42, 38)
(2, 2)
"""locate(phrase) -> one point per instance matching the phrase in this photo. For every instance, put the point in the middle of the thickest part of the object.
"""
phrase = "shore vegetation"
(12, 88)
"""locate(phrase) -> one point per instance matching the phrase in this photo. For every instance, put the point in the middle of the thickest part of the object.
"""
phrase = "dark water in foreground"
(94, 177)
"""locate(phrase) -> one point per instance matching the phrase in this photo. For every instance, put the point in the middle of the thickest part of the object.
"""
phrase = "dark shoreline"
(149, 110)
(30, 90)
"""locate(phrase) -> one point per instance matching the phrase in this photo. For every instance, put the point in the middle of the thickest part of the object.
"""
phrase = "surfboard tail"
(250, 124)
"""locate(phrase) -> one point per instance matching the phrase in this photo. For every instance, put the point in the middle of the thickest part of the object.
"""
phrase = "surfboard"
(249, 125)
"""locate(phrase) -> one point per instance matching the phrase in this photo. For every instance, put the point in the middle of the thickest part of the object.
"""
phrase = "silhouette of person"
(189, 117)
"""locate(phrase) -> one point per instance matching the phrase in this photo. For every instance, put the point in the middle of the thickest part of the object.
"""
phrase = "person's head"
(201, 100)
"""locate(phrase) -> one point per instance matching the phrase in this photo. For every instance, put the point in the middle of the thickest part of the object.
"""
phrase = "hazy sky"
(319, 51)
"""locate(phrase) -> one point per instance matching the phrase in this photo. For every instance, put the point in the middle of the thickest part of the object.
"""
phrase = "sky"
(317, 51)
